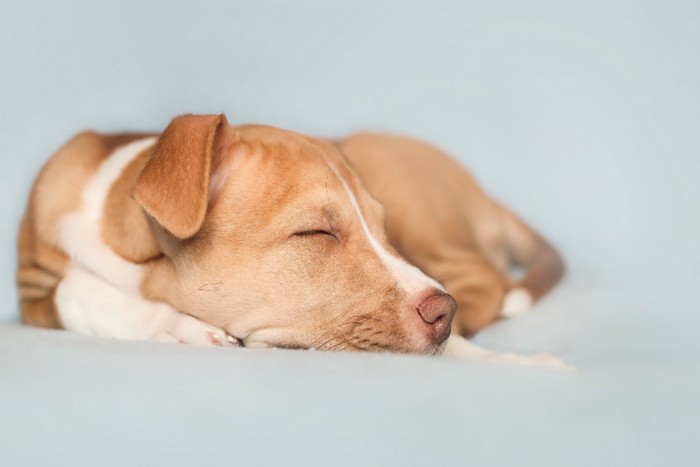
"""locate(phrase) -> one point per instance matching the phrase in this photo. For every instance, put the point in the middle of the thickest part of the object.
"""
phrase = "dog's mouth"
(373, 347)
(262, 344)
(357, 334)
(288, 346)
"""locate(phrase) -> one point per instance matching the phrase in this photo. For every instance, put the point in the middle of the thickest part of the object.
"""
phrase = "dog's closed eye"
(315, 232)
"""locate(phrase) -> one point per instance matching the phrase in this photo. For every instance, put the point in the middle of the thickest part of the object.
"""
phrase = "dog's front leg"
(90, 305)
(459, 347)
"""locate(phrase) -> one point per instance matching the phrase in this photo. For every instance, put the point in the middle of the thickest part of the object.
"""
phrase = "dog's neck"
(125, 227)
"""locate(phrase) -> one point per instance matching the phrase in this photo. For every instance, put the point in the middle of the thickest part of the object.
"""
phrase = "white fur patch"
(81, 235)
(516, 302)
(93, 306)
(411, 279)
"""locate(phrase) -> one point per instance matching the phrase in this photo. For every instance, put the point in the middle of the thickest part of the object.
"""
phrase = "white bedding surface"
(582, 116)
(72, 400)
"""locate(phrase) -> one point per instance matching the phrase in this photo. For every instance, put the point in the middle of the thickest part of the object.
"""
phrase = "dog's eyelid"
(315, 232)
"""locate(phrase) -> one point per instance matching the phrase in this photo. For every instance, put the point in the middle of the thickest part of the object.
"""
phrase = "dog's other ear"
(174, 185)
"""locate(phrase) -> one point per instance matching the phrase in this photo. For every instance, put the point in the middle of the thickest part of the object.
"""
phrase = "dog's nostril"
(437, 311)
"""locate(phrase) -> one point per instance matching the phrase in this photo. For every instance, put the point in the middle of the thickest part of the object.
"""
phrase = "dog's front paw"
(549, 361)
(186, 329)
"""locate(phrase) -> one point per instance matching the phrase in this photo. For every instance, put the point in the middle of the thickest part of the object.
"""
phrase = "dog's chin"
(433, 349)
(418, 343)
(440, 349)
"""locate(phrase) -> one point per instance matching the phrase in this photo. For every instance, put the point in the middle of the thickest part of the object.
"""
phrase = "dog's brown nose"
(438, 311)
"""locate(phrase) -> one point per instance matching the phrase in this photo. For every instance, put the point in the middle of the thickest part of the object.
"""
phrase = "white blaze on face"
(408, 277)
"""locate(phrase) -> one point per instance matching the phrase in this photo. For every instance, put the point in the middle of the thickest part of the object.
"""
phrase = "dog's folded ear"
(173, 187)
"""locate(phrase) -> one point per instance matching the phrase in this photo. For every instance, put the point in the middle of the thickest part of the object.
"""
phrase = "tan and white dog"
(254, 236)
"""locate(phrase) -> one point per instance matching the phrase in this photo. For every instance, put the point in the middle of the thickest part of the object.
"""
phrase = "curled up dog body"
(253, 236)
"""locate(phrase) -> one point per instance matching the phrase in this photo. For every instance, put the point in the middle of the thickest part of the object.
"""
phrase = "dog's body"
(209, 231)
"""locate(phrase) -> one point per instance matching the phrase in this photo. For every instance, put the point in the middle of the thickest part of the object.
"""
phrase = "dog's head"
(271, 236)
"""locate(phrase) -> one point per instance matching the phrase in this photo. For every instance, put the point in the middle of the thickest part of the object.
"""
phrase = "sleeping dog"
(254, 236)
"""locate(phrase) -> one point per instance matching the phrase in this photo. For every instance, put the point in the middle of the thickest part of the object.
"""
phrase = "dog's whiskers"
(335, 347)
(325, 335)
(331, 339)
(359, 335)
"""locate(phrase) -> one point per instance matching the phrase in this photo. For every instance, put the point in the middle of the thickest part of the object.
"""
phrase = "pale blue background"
(584, 116)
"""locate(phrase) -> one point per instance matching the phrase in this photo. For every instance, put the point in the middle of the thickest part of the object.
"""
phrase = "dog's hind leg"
(543, 266)
(477, 286)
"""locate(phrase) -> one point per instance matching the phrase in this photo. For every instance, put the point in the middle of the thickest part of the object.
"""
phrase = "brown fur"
(229, 222)
(57, 191)
(124, 227)
(252, 251)
(173, 187)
